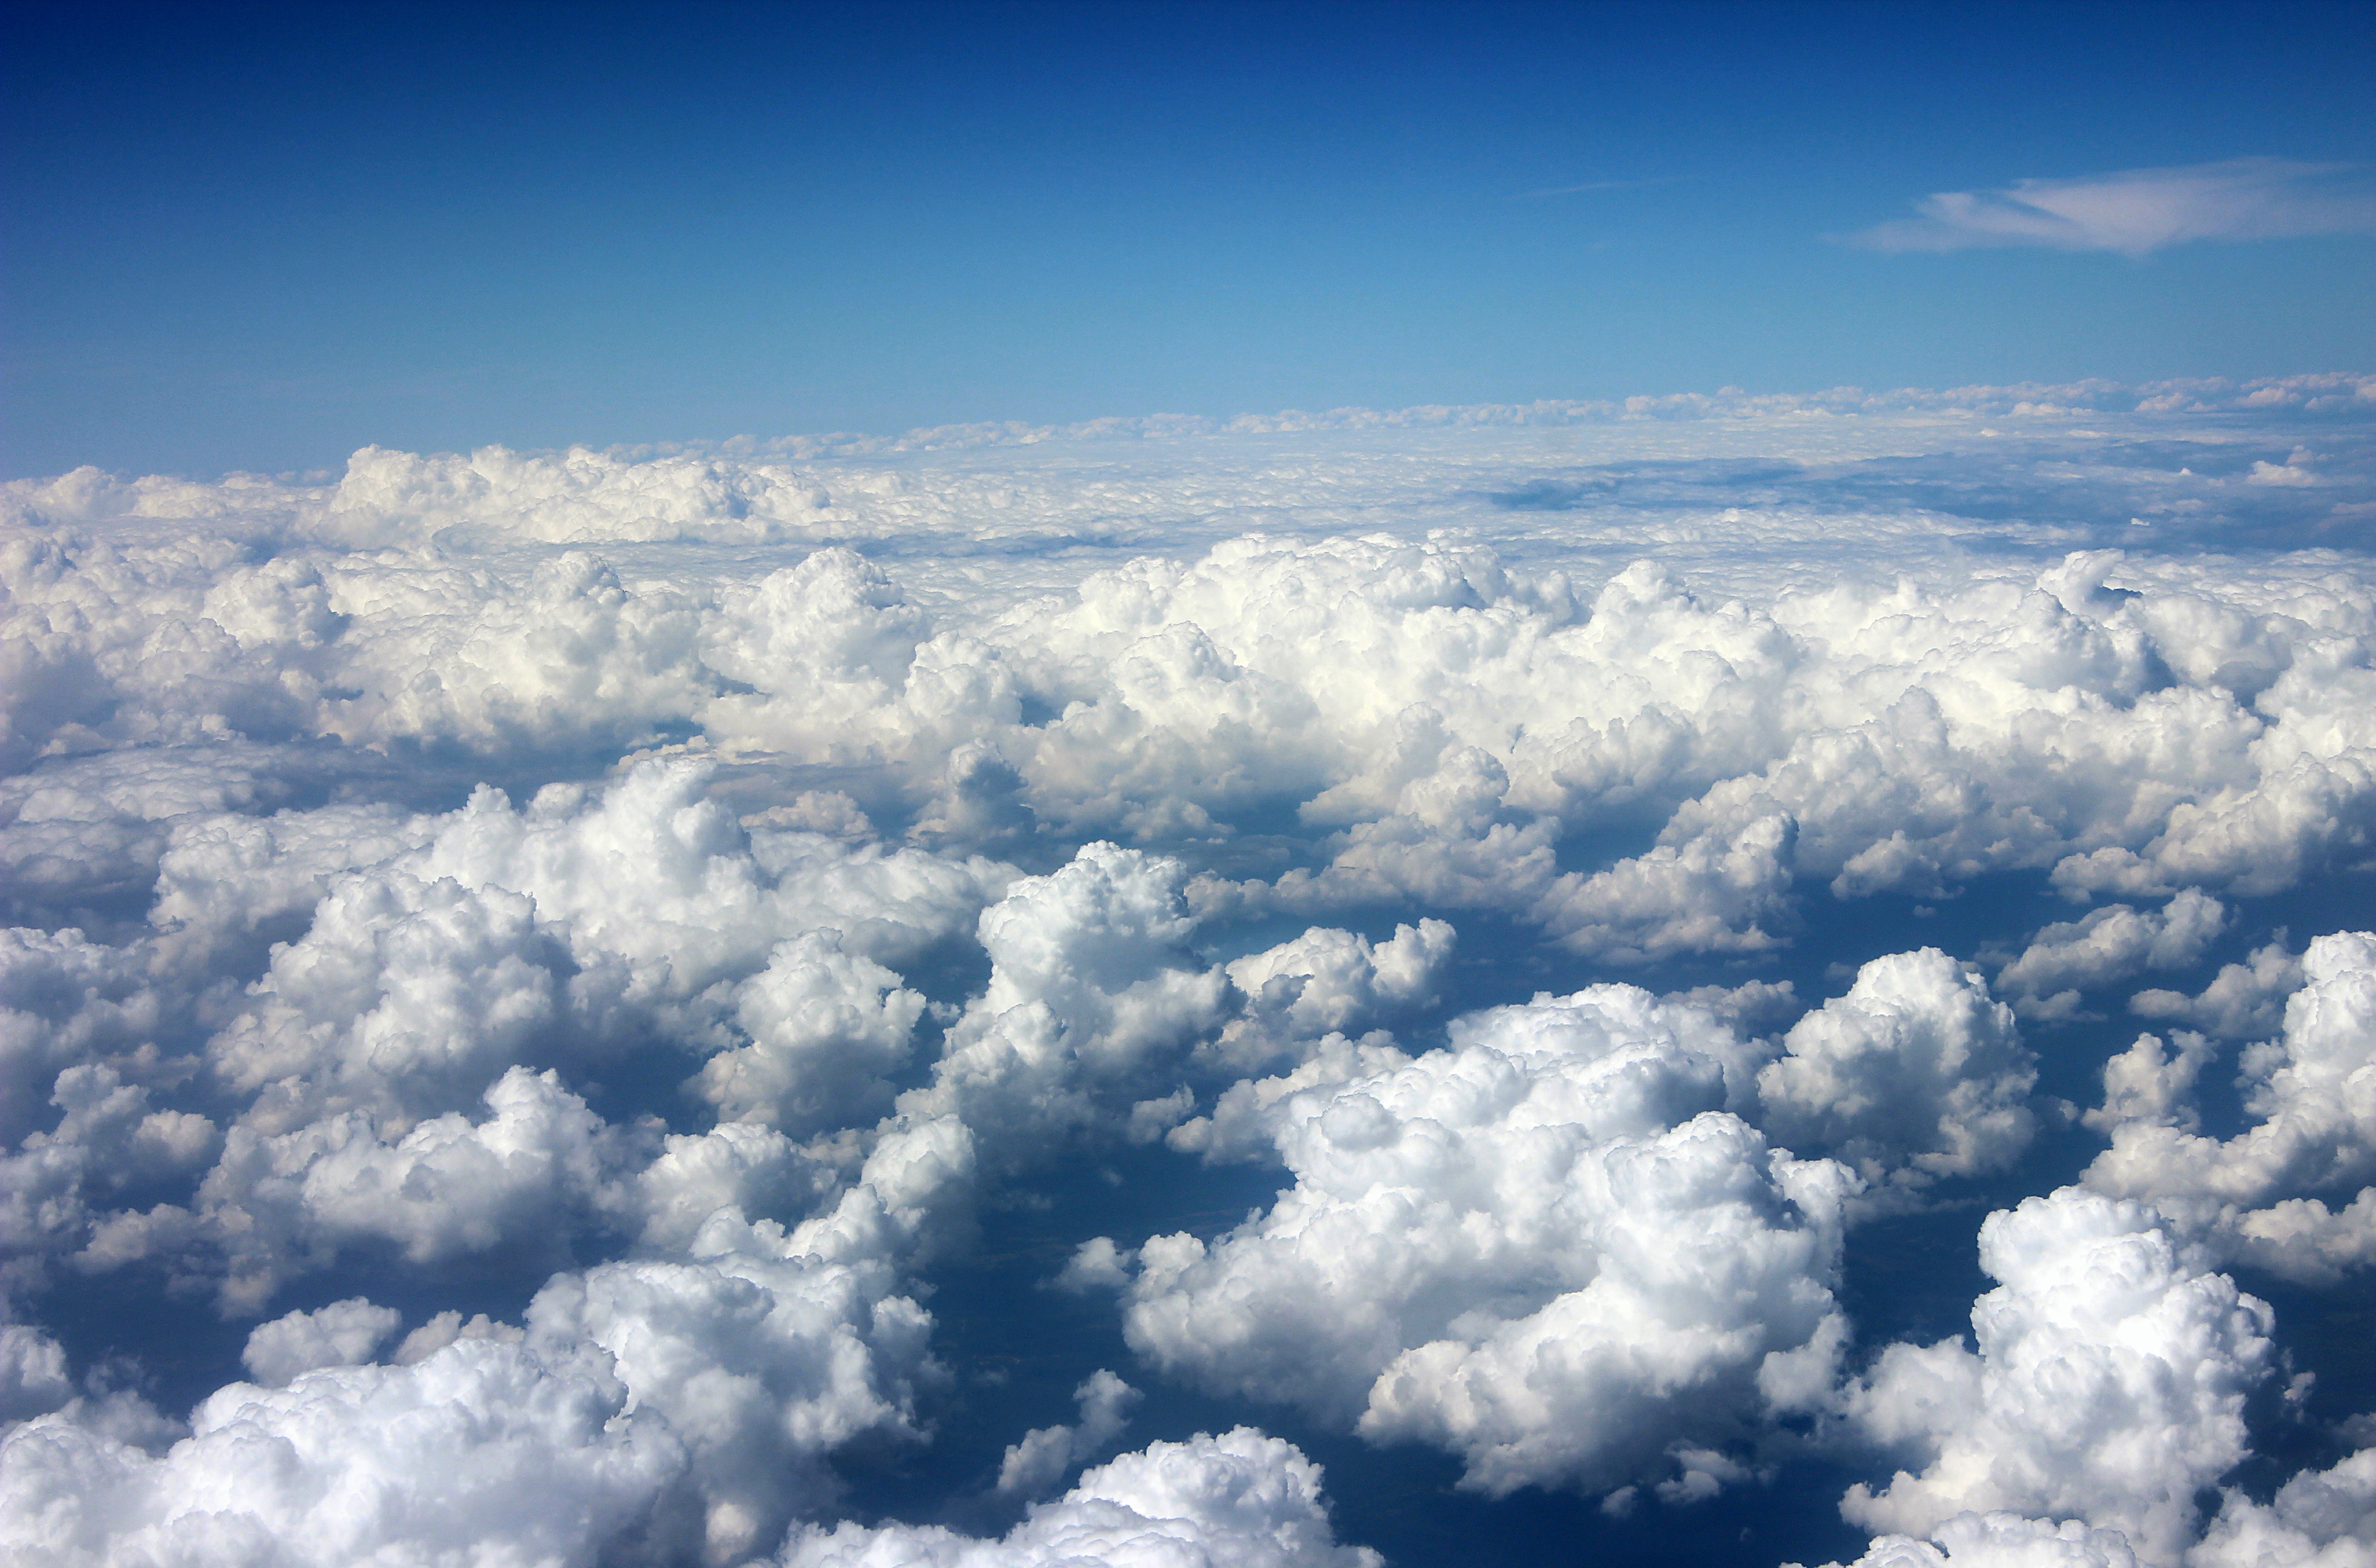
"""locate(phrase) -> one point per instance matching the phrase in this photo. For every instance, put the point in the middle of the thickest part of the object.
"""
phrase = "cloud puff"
(2108, 945)
(2244, 1000)
(1046, 1454)
(483, 1454)
(2004, 1541)
(342, 1334)
(556, 868)
(2066, 1405)
(2311, 1093)
(2318, 1519)
(1092, 997)
(1238, 1499)
(1914, 1074)
(760, 1367)
(1545, 1248)
(2136, 211)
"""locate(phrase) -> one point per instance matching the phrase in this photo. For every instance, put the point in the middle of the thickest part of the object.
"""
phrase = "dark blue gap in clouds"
(178, 1348)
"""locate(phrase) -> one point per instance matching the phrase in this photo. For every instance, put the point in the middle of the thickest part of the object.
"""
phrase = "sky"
(259, 238)
(1297, 787)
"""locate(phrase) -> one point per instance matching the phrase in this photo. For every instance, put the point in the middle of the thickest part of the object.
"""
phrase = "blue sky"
(244, 238)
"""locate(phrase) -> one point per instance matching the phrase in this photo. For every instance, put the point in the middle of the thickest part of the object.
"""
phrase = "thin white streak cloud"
(1590, 185)
(2136, 211)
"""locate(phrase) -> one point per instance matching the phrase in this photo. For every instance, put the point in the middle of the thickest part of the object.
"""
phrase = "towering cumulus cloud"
(847, 1002)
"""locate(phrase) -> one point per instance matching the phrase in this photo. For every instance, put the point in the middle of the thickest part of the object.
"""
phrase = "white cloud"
(2066, 1405)
(1047, 1453)
(1914, 1074)
(2136, 211)
(1241, 1498)
(2244, 1000)
(482, 1455)
(340, 1335)
(1659, 683)
(2318, 1519)
(2311, 1095)
(1562, 1175)
(2004, 1541)
(2108, 945)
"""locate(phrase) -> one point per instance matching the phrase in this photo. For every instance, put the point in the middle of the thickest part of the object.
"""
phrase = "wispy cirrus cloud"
(2134, 211)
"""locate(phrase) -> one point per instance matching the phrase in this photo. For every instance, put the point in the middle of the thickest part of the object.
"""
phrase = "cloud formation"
(564, 1006)
(2136, 211)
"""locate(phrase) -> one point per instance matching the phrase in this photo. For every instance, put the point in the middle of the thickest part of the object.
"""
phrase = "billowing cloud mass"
(787, 1002)
(2070, 1405)
(1547, 1248)
(1241, 1498)
(2311, 1093)
(2137, 210)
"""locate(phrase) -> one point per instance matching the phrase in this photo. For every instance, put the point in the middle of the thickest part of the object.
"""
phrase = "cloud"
(2066, 1406)
(1545, 1248)
(2004, 1541)
(485, 1454)
(1046, 1454)
(2311, 1097)
(607, 936)
(2110, 945)
(2136, 211)
(1241, 1498)
(2318, 1519)
(1914, 1074)
(342, 1334)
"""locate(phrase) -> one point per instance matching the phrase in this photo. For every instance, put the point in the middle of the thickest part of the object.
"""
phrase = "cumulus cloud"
(342, 1334)
(1561, 1176)
(2311, 1095)
(485, 1454)
(2244, 1000)
(2136, 211)
(1241, 1498)
(1914, 1074)
(1047, 1453)
(645, 914)
(2003, 1541)
(2108, 945)
(2318, 1519)
(2065, 1405)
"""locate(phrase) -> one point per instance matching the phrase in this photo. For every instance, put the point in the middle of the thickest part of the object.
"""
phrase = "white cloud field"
(1748, 979)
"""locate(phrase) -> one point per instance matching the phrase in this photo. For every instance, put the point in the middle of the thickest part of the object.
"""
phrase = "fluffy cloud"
(2004, 1541)
(2318, 1519)
(2244, 1000)
(2108, 945)
(342, 1334)
(1914, 1073)
(483, 1454)
(2311, 1093)
(1546, 1248)
(575, 870)
(2066, 1404)
(1241, 1498)
(760, 1367)
(1046, 1454)
(1091, 995)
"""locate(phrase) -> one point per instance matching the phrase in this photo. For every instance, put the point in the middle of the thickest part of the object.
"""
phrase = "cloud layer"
(788, 1006)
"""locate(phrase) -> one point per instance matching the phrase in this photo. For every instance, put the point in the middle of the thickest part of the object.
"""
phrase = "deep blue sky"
(242, 237)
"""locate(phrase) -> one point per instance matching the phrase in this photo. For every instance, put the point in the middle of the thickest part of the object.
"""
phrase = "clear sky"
(239, 237)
